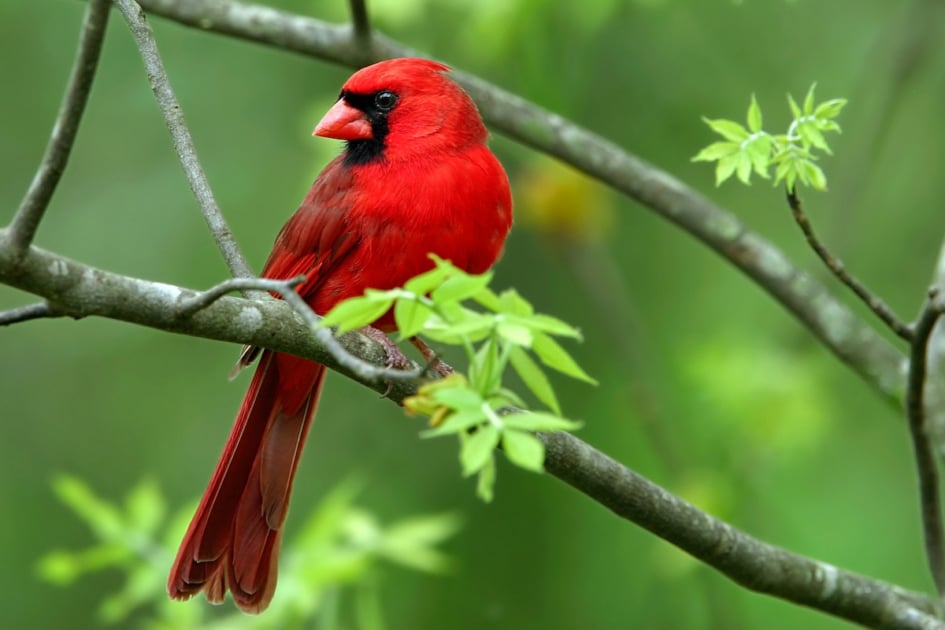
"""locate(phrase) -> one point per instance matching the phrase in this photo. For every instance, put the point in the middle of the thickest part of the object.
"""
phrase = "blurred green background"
(706, 385)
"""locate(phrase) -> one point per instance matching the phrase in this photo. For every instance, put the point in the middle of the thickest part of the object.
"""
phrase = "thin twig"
(202, 300)
(361, 20)
(929, 497)
(363, 370)
(30, 213)
(183, 143)
(874, 302)
(28, 312)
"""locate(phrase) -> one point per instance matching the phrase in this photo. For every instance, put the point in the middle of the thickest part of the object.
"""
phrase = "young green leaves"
(506, 332)
(753, 150)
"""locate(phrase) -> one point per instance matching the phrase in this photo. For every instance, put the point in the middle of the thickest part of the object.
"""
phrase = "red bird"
(415, 178)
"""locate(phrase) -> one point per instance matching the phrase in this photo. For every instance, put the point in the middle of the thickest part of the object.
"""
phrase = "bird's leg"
(394, 357)
(434, 362)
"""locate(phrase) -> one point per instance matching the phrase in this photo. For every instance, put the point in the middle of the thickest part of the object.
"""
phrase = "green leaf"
(815, 176)
(754, 116)
(504, 397)
(811, 136)
(534, 378)
(458, 398)
(486, 481)
(460, 287)
(426, 282)
(725, 168)
(538, 421)
(410, 542)
(457, 423)
(514, 304)
(545, 323)
(358, 312)
(787, 171)
(485, 373)
(524, 450)
(554, 356)
(743, 168)
(827, 125)
(323, 524)
(411, 316)
(795, 109)
(473, 327)
(728, 129)
(759, 152)
(830, 109)
(809, 101)
(145, 507)
(425, 530)
(477, 449)
(515, 333)
(488, 298)
(716, 150)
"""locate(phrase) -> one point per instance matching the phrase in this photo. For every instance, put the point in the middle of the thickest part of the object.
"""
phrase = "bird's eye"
(385, 100)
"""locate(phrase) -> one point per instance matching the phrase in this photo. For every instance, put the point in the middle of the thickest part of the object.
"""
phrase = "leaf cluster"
(336, 556)
(504, 332)
(793, 154)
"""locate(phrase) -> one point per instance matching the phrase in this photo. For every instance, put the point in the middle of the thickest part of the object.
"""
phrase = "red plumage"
(416, 178)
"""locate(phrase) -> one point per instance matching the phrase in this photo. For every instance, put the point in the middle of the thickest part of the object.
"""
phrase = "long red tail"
(233, 540)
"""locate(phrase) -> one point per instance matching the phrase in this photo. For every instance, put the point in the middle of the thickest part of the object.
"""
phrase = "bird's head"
(402, 109)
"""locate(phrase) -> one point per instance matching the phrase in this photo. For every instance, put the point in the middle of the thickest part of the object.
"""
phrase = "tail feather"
(232, 543)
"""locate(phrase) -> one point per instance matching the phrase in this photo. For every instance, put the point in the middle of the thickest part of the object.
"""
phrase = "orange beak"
(344, 122)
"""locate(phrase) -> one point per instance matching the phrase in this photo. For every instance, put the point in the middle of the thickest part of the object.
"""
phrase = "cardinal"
(416, 177)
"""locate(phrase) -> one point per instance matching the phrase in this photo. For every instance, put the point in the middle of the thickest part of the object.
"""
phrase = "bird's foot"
(394, 358)
(434, 362)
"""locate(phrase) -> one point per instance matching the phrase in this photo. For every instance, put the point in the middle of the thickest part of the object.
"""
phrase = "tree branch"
(183, 143)
(79, 290)
(858, 345)
(361, 370)
(30, 213)
(746, 560)
(360, 20)
(26, 313)
(929, 495)
(835, 265)
(934, 391)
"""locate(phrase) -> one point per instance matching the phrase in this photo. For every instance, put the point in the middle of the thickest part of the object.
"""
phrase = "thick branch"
(746, 560)
(183, 143)
(361, 370)
(79, 290)
(835, 265)
(834, 324)
(929, 495)
(30, 213)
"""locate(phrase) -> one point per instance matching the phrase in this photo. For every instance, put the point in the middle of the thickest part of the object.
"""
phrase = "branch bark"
(855, 343)
(929, 494)
(79, 290)
(837, 268)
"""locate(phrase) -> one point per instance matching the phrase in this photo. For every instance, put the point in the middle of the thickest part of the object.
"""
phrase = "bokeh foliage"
(705, 385)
